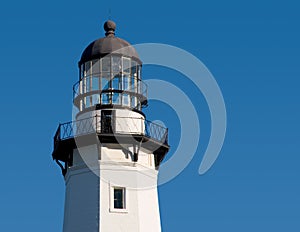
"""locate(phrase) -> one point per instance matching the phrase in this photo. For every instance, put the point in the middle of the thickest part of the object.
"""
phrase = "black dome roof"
(109, 44)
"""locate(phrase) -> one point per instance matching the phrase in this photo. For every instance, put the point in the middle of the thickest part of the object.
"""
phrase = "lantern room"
(110, 75)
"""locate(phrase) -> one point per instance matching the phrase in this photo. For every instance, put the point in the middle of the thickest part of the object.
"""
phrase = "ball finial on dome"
(109, 27)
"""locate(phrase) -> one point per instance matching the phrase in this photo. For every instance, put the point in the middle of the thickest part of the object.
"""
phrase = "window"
(105, 64)
(96, 66)
(126, 65)
(95, 83)
(133, 68)
(125, 99)
(105, 98)
(88, 68)
(126, 80)
(95, 99)
(119, 198)
(116, 82)
(133, 102)
(116, 64)
(87, 101)
(88, 84)
(116, 99)
(105, 81)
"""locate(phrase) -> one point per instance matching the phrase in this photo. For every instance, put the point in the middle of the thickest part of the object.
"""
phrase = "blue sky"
(251, 48)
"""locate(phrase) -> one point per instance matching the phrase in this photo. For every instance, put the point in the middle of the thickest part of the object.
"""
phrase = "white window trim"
(111, 199)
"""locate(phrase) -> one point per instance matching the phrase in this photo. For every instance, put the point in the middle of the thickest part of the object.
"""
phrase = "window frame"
(112, 208)
(119, 201)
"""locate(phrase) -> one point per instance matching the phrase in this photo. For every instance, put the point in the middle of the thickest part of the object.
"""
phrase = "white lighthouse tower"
(110, 154)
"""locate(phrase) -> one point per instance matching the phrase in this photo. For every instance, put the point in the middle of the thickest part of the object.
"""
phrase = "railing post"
(96, 123)
(167, 136)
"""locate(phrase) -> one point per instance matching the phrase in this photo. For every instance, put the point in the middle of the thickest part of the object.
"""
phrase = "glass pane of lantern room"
(126, 65)
(116, 82)
(133, 67)
(83, 81)
(132, 84)
(116, 100)
(88, 84)
(95, 82)
(133, 102)
(96, 67)
(126, 99)
(87, 101)
(138, 86)
(139, 69)
(105, 81)
(95, 99)
(80, 87)
(126, 80)
(87, 68)
(105, 98)
(105, 64)
(116, 64)
(134, 76)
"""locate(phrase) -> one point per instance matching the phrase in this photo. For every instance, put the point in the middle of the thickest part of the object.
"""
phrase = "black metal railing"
(115, 125)
(156, 131)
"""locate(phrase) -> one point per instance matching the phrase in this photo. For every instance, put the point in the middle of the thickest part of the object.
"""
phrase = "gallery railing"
(111, 125)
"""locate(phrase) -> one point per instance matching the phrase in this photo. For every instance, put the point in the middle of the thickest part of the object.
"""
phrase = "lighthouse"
(110, 154)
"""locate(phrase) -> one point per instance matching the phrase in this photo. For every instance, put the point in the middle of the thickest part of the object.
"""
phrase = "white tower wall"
(82, 195)
(89, 199)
